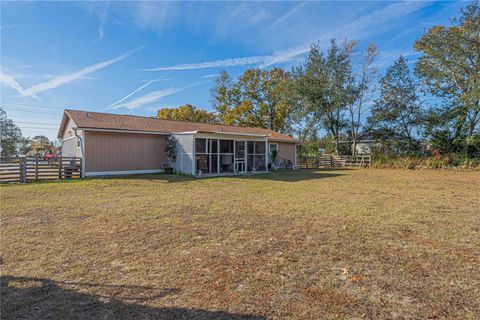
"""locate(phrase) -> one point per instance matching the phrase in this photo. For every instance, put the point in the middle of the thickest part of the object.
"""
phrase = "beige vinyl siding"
(115, 151)
(184, 159)
(286, 150)
(70, 143)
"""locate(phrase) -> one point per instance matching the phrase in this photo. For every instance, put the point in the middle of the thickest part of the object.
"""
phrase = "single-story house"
(111, 144)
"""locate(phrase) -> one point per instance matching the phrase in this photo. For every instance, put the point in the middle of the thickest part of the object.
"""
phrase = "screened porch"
(228, 156)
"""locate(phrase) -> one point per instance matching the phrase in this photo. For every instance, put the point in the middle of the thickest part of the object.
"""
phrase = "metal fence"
(24, 169)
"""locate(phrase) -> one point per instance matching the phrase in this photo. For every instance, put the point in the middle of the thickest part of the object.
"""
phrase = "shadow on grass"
(280, 175)
(37, 298)
(295, 175)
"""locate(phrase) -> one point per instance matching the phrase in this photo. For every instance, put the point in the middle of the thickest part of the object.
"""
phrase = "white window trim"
(272, 144)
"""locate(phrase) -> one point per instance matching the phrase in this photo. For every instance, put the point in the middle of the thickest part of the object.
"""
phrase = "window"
(202, 157)
(226, 146)
(240, 150)
(78, 143)
(273, 147)
(250, 147)
(250, 162)
(226, 163)
(214, 164)
(200, 145)
(260, 163)
(214, 146)
(202, 163)
(259, 147)
(213, 156)
(256, 155)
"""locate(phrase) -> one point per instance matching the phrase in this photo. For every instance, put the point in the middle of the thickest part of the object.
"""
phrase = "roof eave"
(222, 132)
(63, 124)
(124, 130)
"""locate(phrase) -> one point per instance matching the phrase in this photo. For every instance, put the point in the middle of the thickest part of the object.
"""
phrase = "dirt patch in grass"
(375, 244)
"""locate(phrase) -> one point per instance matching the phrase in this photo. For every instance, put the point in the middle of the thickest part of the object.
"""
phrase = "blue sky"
(136, 57)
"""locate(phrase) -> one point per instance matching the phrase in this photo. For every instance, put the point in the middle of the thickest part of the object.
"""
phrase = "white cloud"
(100, 31)
(388, 57)
(359, 28)
(209, 76)
(148, 98)
(213, 64)
(102, 16)
(133, 92)
(153, 96)
(59, 80)
(245, 14)
(64, 79)
(10, 81)
(287, 15)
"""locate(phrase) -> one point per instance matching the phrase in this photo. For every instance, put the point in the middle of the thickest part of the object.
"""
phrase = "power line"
(31, 106)
(56, 129)
(23, 110)
(41, 123)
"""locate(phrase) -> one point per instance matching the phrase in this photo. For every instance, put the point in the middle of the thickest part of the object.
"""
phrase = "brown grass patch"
(375, 244)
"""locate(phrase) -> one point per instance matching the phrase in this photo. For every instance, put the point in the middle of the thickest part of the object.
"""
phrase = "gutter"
(221, 132)
(125, 131)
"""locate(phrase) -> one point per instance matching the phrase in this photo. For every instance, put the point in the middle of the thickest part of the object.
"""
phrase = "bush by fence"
(431, 162)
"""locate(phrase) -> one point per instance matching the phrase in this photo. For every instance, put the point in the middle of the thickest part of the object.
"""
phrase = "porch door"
(240, 156)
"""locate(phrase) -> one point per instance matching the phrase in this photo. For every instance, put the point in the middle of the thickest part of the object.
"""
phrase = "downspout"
(81, 150)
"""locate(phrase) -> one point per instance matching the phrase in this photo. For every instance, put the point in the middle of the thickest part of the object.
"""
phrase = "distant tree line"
(337, 92)
(13, 143)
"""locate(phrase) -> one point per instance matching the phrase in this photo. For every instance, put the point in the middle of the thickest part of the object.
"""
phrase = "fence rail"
(330, 161)
(34, 169)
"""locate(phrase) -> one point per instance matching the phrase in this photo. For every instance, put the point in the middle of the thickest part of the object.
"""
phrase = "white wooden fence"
(331, 161)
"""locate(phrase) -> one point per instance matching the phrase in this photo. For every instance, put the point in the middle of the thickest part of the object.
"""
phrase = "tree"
(10, 135)
(450, 69)
(25, 146)
(187, 112)
(224, 99)
(323, 85)
(361, 93)
(258, 98)
(397, 113)
(41, 145)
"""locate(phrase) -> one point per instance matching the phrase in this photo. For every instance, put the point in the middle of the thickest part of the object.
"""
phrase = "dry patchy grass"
(374, 244)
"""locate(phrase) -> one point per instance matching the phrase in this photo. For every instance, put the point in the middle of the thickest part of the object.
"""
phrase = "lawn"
(347, 244)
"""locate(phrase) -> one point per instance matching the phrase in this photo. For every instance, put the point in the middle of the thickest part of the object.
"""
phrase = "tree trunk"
(335, 142)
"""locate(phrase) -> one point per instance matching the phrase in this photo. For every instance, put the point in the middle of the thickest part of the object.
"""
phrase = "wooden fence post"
(36, 167)
(82, 174)
(23, 170)
(60, 169)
